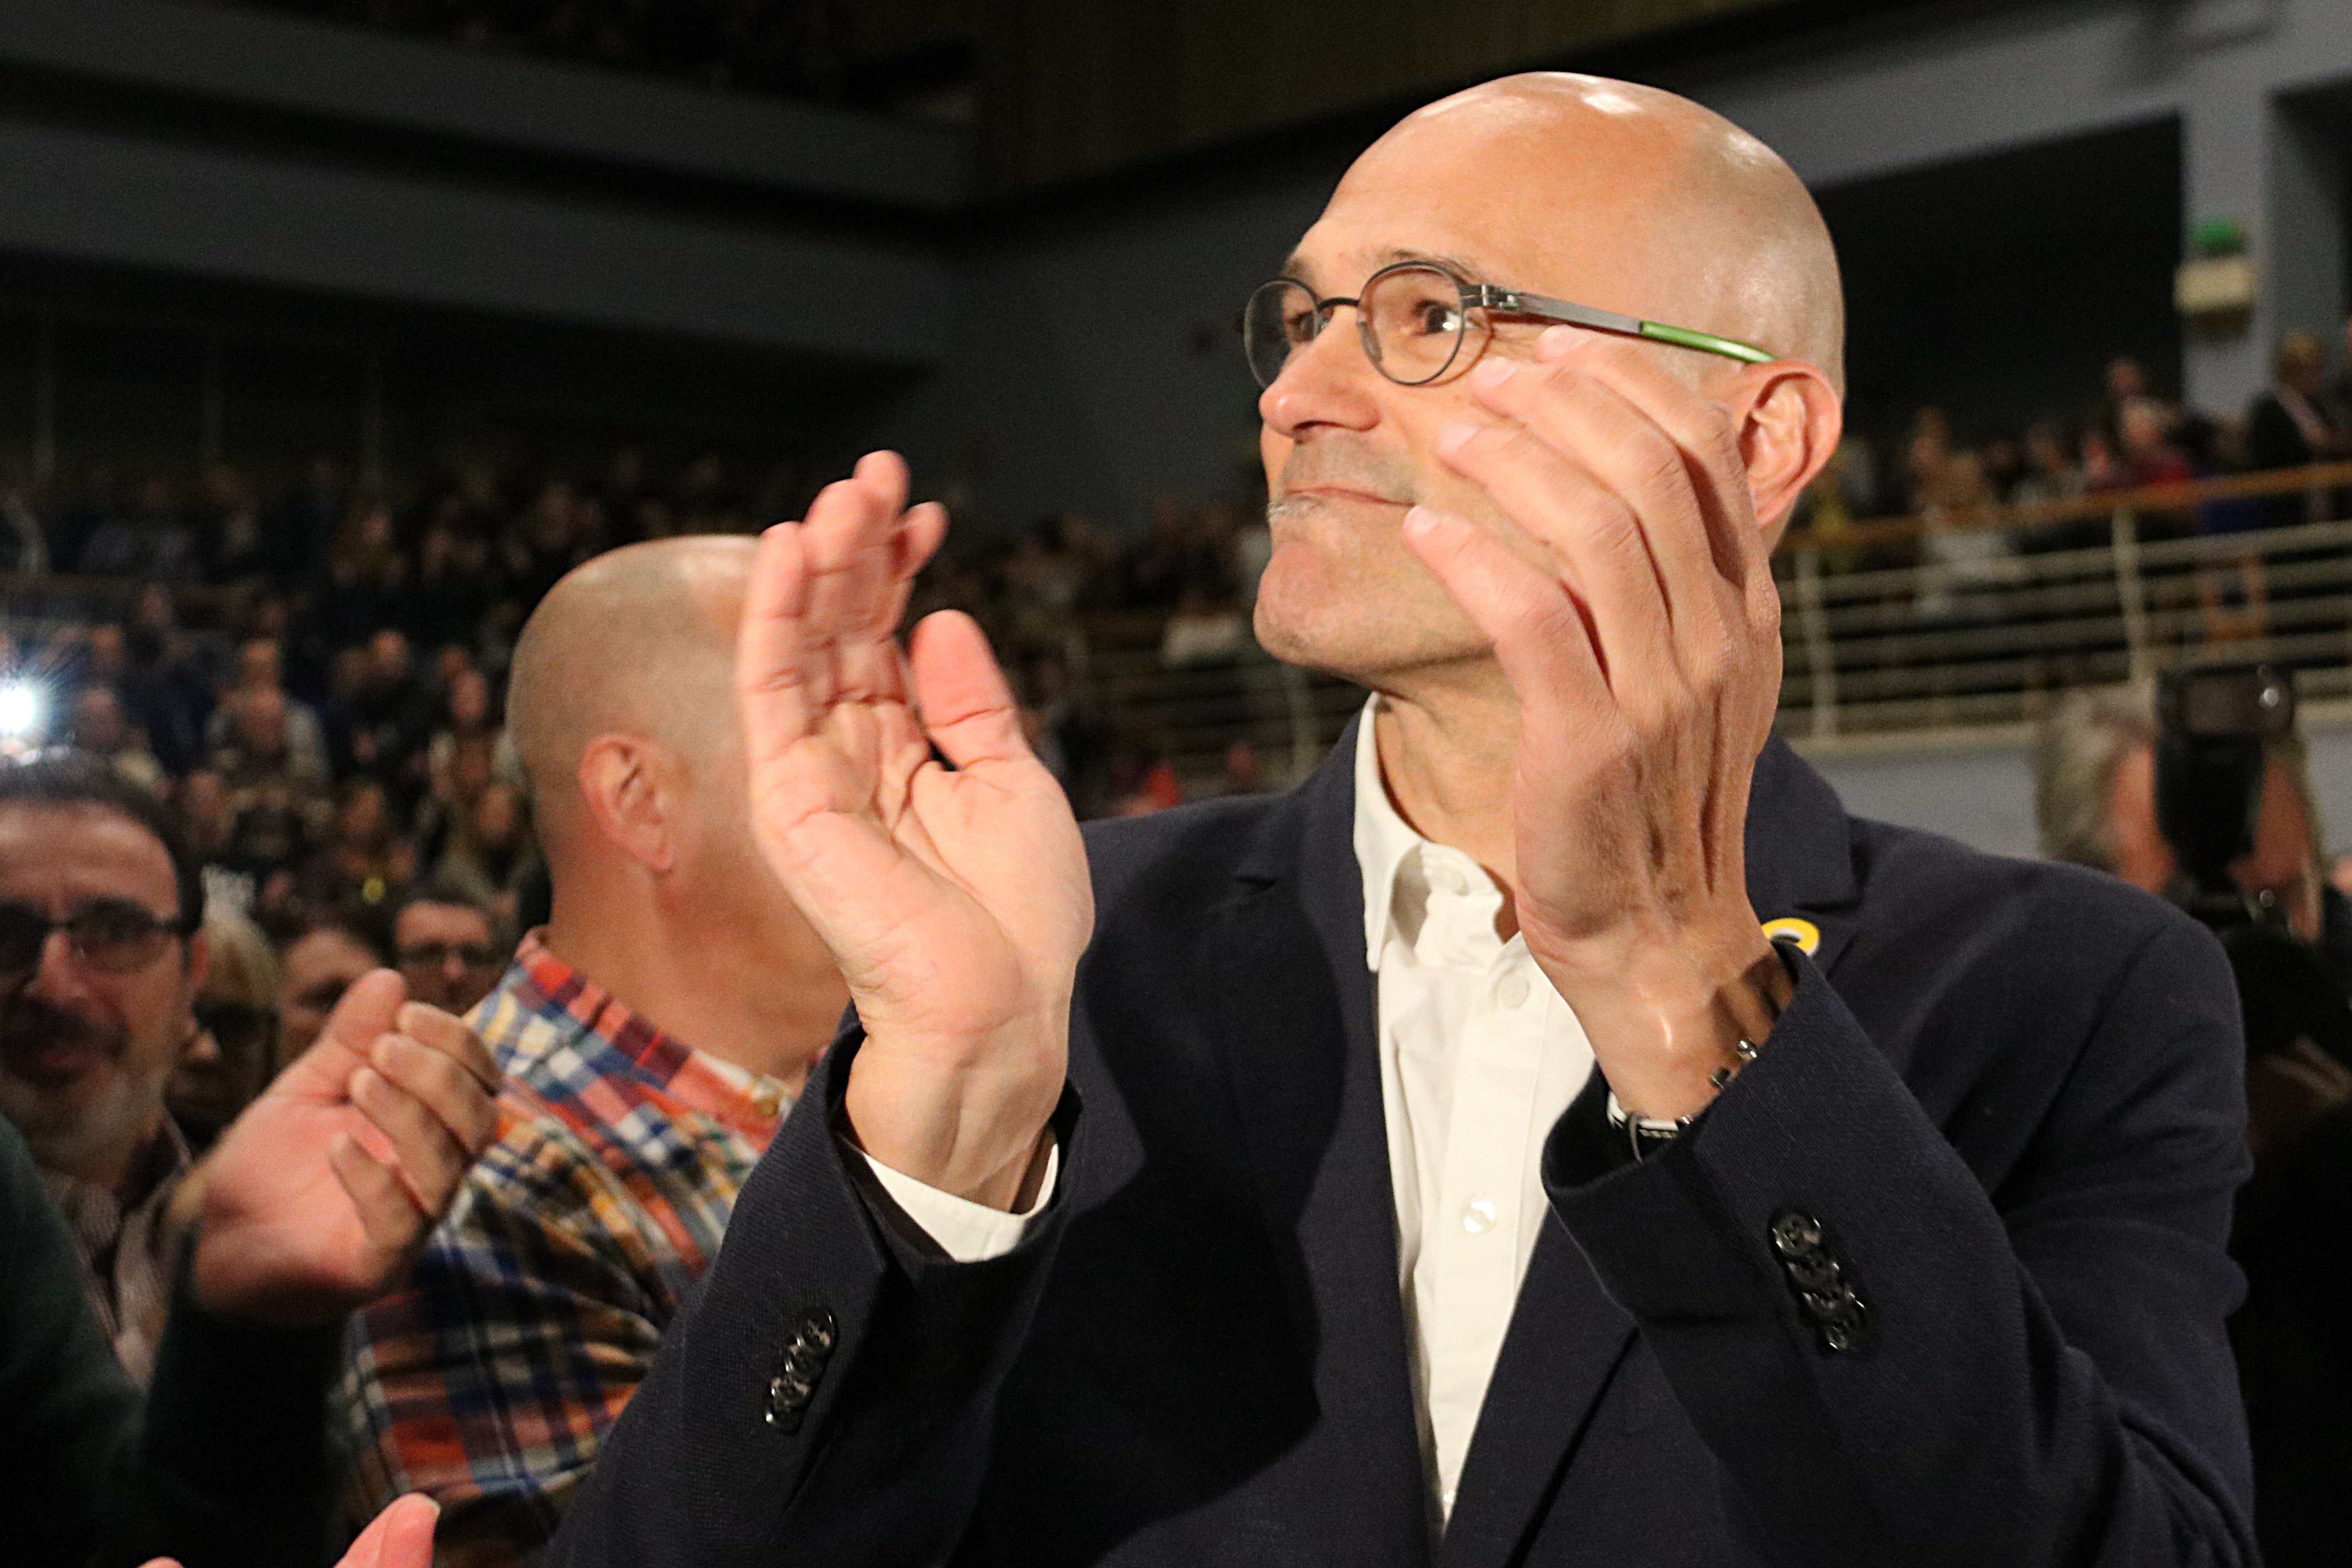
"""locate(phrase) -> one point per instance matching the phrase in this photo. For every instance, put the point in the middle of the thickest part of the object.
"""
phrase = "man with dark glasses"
(100, 957)
(313, 1200)
(446, 949)
(1553, 1135)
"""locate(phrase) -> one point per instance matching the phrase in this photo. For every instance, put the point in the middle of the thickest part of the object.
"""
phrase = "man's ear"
(1789, 433)
(628, 791)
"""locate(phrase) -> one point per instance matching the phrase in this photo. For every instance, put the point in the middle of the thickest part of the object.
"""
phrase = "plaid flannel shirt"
(491, 1378)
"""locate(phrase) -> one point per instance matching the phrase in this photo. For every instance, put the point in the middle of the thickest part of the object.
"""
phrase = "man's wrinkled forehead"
(1553, 218)
(1342, 273)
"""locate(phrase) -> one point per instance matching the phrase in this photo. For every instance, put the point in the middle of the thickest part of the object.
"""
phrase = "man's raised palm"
(955, 899)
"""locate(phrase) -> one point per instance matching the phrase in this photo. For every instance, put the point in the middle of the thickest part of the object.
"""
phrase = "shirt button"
(1513, 991)
(768, 1102)
(1479, 1218)
(1446, 880)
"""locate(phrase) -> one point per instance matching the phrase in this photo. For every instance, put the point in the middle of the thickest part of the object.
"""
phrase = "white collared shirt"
(1479, 1058)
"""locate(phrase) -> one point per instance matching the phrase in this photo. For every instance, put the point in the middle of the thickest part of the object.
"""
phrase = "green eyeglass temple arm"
(1512, 302)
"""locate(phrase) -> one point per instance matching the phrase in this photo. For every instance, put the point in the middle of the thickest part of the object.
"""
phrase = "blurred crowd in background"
(315, 678)
(2126, 437)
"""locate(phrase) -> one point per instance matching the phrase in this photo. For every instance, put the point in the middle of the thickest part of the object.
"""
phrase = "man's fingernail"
(1418, 520)
(1554, 342)
(1493, 373)
(1452, 435)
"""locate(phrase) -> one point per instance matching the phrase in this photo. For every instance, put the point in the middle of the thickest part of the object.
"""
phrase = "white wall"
(1983, 795)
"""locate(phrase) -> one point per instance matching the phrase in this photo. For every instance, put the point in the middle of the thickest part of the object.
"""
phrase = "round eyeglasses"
(1417, 320)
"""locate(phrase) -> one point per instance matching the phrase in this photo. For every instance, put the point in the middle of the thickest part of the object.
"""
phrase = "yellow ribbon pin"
(1805, 933)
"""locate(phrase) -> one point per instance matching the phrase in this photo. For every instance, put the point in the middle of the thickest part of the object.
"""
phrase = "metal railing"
(1946, 622)
(1901, 626)
(1194, 711)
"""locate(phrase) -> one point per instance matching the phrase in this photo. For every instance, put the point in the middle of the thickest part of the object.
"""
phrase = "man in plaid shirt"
(490, 1380)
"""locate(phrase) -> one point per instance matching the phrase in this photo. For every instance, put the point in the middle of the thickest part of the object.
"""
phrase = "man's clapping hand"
(319, 1196)
(955, 897)
(1636, 619)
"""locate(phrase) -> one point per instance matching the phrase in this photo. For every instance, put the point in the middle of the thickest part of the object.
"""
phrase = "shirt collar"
(97, 1212)
(753, 1103)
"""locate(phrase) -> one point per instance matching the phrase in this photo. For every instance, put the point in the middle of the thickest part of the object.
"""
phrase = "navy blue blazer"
(2003, 1112)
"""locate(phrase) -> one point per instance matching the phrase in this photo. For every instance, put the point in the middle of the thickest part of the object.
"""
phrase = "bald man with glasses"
(1555, 1133)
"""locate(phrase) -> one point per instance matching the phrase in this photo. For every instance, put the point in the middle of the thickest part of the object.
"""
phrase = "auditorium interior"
(345, 328)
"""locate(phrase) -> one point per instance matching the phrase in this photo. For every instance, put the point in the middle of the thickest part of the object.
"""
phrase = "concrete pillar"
(2305, 281)
(2226, 172)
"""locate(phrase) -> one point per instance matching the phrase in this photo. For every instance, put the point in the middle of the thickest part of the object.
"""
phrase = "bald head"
(639, 642)
(1709, 228)
(1602, 193)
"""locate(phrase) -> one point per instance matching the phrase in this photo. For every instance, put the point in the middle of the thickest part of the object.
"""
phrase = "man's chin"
(1359, 635)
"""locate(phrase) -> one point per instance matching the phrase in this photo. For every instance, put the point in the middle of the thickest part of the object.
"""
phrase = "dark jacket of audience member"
(224, 1463)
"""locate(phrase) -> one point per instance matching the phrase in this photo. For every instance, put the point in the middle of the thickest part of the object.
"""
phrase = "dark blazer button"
(806, 1365)
(788, 1401)
(1811, 1273)
(1821, 1307)
(817, 1329)
(1796, 1235)
(1817, 1280)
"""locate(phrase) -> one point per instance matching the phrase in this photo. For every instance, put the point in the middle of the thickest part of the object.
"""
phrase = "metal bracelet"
(1721, 1076)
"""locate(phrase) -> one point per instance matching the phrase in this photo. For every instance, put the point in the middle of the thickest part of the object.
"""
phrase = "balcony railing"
(2001, 607)
(2113, 587)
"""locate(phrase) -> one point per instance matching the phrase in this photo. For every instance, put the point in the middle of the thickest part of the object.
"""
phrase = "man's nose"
(203, 1051)
(1328, 381)
(59, 975)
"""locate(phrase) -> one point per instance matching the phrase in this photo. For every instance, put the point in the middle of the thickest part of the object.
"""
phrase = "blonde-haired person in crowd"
(233, 1049)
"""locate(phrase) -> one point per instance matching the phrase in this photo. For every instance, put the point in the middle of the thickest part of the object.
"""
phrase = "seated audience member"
(391, 718)
(366, 859)
(655, 1034)
(447, 948)
(320, 964)
(2292, 425)
(101, 955)
(233, 1049)
(2094, 800)
(259, 760)
(94, 1017)
(491, 852)
(296, 727)
(296, 1224)
(208, 827)
(100, 730)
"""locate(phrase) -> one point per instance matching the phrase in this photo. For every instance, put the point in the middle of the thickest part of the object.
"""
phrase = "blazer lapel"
(1801, 853)
(1567, 1338)
(1286, 955)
